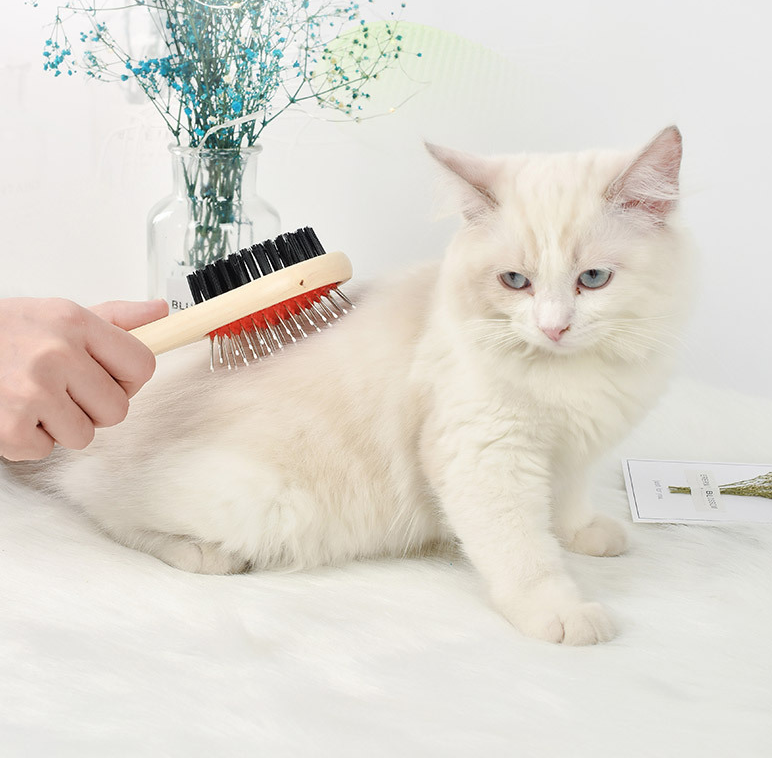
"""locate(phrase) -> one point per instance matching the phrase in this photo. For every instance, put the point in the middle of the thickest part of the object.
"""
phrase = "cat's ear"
(474, 175)
(649, 184)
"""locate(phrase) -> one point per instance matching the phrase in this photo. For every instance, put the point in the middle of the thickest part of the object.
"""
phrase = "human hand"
(66, 370)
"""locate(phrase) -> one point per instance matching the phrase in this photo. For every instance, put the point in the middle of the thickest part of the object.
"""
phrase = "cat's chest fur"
(573, 407)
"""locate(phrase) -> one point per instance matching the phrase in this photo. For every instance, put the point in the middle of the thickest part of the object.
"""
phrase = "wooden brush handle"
(196, 322)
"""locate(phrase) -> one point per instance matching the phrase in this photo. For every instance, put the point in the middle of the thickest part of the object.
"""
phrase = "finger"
(31, 444)
(129, 315)
(97, 394)
(65, 422)
(123, 356)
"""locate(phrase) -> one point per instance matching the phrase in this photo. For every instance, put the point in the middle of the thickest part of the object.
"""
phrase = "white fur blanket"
(108, 652)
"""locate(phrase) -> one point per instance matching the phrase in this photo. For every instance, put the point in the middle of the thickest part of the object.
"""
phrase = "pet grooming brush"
(257, 301)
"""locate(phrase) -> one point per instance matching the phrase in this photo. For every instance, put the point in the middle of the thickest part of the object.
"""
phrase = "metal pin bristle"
(315, 308)
(241, 350)
(250, 344)
(343, 297)
(276, 336)
(298, 326)
(284, 324)
(230, 361)
(264, 338)
(339, 309)
(328, 311)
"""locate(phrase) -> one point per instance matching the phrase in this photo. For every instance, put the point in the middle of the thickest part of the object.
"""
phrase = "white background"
(81, 164)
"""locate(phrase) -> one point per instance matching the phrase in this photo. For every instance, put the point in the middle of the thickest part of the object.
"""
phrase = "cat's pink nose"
(556, 332)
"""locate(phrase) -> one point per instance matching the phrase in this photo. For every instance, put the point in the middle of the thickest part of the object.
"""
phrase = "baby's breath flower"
(221, 60)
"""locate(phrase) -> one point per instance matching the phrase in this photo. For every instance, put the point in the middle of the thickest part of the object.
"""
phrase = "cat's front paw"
(578, 624)
(603, 536)
(581, 624)
(554, 613)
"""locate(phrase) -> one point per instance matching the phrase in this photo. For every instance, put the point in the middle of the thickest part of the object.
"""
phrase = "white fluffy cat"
(465, 400)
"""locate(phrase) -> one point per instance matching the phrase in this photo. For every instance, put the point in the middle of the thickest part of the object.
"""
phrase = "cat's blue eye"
(594, 278)
(514, 281)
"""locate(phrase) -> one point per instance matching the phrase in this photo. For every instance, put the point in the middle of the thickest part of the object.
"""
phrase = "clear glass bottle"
(214, 210)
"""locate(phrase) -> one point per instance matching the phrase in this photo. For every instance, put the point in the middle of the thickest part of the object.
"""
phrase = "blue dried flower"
(221, 61)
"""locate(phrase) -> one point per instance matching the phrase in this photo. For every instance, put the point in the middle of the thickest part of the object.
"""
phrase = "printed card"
(694, 492)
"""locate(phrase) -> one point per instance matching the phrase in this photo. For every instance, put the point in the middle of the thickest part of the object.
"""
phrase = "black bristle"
(249, 259)
(195, 290)
(258, 251)
(285, 250)
(214, 279)
(251, 263)
(203, 284)
(295, 244)
(234, 275)
(310, 236)
(273, 255)
(298, 246)
(239, 268)
(227, 276)
(305, 245)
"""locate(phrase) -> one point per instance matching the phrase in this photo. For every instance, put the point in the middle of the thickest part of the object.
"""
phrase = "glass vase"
(214, 210)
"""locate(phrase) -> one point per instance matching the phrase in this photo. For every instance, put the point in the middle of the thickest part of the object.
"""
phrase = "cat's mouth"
(566, 344)
(556, 339)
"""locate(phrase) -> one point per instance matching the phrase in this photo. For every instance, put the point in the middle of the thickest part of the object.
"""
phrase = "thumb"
(129, 315)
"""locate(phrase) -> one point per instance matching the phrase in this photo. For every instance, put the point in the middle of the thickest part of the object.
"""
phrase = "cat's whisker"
(661, 339)
(500, 343)
(661, 317)
(627, 342)
(483, 329)
(625, 325)
(507, 336)
(485, 323)
(503, 345)
(637, 319)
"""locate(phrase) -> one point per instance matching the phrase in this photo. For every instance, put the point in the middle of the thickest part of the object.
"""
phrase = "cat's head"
(565, 253)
